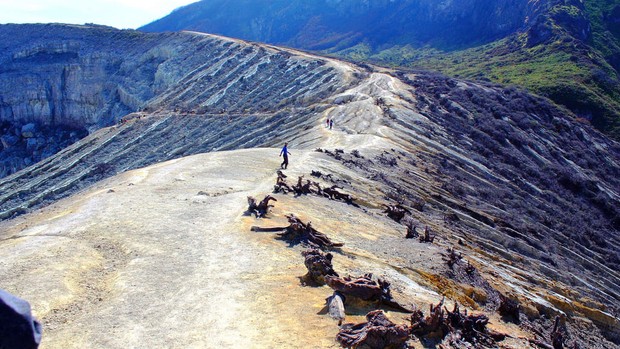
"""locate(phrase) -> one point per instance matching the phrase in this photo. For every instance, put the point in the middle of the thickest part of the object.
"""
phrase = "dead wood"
(319, 266)
(469, 328)
(267, 230)
(317, 174)
(298, 231)
(459, 329)
(366, 289)
(334, 194)
(411, 232)
(509, 308)
(396, 212)
(451, 257)
(433, 326)
(469, 269)
(302, 189)
(260, 209)
(335, 306)
(557, 335)
(427, 236)
(377, 333)
(281, 185)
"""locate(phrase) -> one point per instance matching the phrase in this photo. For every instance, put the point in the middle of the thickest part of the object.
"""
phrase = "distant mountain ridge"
(567, 50)
(333, 24)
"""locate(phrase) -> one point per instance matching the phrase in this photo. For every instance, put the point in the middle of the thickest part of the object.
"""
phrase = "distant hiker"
(284, 152)
(17, 327)
(331, 123)
(327, 122)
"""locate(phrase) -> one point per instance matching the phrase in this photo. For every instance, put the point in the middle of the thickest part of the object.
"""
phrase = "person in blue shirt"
(284, 152)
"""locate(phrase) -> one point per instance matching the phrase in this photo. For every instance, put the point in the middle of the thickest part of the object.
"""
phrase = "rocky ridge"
(566, 50)
(526, 194)
(75, 80)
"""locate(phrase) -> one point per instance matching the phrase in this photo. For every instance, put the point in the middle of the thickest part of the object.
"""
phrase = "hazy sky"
(117, 13)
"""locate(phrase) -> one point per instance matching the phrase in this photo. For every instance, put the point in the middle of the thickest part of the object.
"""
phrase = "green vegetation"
(578, 80)
(605, 33)
(569, 71)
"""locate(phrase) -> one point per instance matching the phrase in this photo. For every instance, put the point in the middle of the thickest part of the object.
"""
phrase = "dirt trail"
(163, 257)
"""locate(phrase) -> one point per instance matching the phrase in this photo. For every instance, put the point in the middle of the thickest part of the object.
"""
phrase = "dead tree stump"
(377, 333)
(262, 208)
(396, 212)
(319, 266)
(509, 308)
(411, 231)
(427, 237)
(281, 185)
(299, 231)
(333, 194)
(432, 326)
(460, 329)
(557, 335)
(366, 289)
(300, 188)
(451, 257)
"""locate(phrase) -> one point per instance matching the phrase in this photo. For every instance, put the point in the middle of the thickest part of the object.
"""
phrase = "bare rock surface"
(143, 260)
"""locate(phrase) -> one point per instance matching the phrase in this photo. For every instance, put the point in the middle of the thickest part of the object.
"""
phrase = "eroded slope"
(526, 194)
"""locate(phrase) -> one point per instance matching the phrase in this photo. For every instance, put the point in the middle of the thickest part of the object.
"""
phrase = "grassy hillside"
(571, 55)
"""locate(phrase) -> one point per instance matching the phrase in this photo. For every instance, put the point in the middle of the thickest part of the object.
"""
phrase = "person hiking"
(284, 152)
(327, 122)
(331, 123)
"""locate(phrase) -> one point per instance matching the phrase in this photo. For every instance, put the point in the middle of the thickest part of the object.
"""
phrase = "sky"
(121, 14)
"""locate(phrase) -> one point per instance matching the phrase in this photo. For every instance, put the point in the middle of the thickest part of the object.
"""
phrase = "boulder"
(29, 130)
(9, 140)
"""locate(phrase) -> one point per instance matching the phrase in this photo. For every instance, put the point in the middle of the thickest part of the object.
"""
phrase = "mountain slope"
(327, 24)
(74, 79)
(565, 50)
(527, 195)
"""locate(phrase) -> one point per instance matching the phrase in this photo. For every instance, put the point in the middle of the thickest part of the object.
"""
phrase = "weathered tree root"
(281, 185)
(333, 194)
(427, 236)
(411, 231)
(461, 330)
(432, 326)
(509, 308)
(319, 266)
(556, 336)
(451, 257)
(298, 231)
(378, 333)
(260, 209)
(311, 187)
(396, 212)
(366, 289)
(303, 189)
